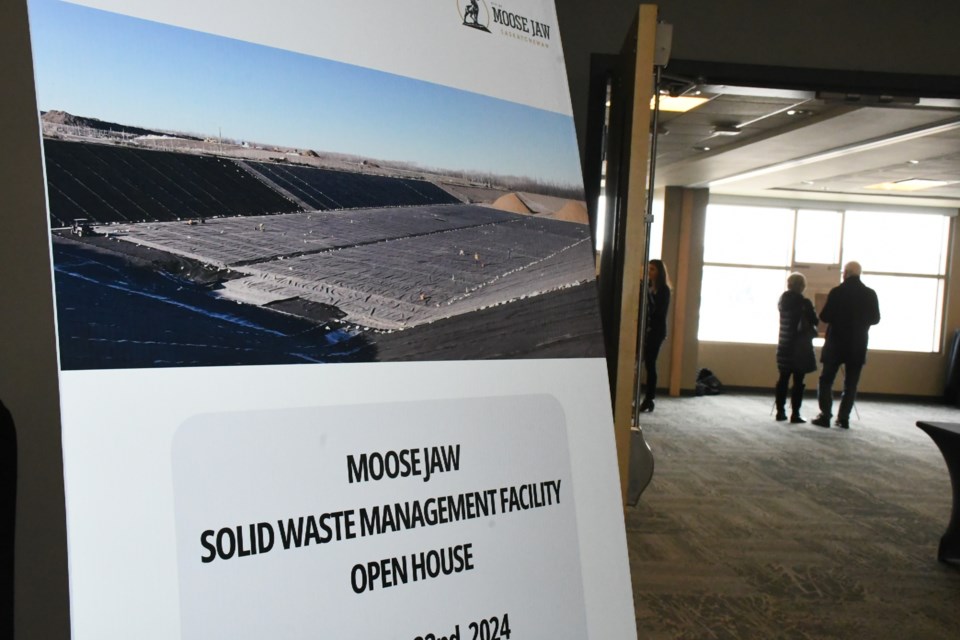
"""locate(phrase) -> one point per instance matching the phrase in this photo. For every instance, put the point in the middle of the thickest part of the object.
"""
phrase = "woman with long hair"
(795, 356)
(658, 303)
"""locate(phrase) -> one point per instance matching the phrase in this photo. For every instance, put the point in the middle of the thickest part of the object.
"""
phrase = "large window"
(735, 304)
(818, 236)
(749, 251)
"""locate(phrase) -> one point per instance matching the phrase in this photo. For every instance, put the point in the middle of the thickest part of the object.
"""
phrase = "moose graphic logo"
(475, 14)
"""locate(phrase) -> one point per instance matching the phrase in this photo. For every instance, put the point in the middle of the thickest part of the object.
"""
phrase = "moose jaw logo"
(474, 15)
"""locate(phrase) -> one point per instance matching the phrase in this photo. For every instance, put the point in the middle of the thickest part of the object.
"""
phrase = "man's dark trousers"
(851, 377)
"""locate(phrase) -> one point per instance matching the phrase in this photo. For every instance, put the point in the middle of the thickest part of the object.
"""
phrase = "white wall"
(887, 372)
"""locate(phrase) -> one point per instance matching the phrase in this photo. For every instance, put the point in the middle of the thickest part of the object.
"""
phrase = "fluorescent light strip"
(678, 104)
(839, 152)
(913, 184)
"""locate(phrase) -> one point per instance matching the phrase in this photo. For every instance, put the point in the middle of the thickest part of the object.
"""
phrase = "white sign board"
(330, 354)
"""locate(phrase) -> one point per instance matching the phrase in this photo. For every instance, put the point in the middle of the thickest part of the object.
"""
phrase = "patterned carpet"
(753, 528)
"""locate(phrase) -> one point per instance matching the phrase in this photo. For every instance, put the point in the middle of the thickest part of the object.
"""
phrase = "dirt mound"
(55, 116)
(573, 211)
(543, 207)
(510, 202)
(540, 204)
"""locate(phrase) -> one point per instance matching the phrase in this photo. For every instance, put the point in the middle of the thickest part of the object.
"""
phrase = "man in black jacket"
(851, 309)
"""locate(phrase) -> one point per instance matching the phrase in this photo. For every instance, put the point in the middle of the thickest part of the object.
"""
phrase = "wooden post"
(681, 295)
(687, 280)
(644, 41)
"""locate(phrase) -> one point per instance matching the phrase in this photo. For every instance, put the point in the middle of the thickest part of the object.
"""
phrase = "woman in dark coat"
(795, 356)
(658, 303)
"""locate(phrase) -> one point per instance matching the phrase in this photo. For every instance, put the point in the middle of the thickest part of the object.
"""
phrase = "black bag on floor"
(707, 383)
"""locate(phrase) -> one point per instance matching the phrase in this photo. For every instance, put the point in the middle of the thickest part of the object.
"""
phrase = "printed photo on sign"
(217, 202)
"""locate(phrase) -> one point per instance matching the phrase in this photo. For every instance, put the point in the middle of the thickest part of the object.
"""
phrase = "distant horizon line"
(267, 146)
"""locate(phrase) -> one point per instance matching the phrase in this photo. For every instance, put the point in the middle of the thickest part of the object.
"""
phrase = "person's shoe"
(781, 415)
(646, 405)
(821, 421)
(843, 424)
(796, 419)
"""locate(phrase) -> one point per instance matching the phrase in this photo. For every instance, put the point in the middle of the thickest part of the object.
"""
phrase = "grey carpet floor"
(753, 528)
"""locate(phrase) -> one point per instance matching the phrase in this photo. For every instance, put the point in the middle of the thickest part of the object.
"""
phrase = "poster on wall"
(329, 345)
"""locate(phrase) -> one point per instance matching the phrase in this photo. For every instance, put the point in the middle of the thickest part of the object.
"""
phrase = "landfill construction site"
(177, 257)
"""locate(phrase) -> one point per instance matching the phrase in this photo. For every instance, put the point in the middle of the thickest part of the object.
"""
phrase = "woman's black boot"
(780, 399)
(796, 399)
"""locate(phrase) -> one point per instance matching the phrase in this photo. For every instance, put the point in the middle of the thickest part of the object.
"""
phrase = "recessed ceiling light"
(807, 182)
(913, 162)
(702, 148)
(679, 104)
(911, 184)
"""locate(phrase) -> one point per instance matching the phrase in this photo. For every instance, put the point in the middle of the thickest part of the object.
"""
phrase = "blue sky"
(103, 65)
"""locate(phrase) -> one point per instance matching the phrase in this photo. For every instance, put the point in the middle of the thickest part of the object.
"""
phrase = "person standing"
(795, 356)
(658, 303)
(851, 309)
